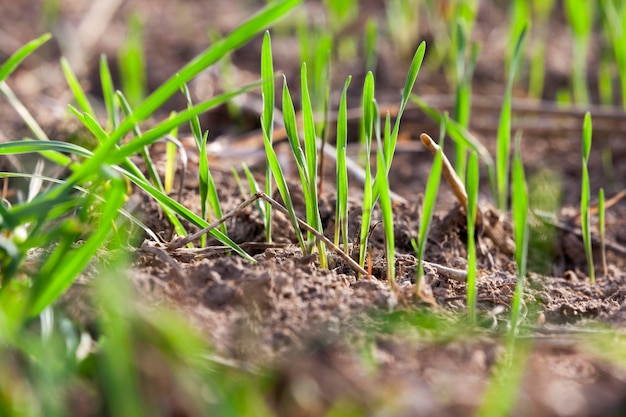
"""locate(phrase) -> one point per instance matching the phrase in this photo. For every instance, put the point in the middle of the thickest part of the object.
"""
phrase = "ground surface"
(323, 329)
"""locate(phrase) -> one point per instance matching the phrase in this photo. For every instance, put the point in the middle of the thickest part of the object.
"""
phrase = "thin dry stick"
(448, 172)
(190, 238)
(446, 272)
(182, 242)
(353, 264)
(452, 179)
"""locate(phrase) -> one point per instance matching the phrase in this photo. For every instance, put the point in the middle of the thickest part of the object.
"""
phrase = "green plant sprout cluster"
(88, 205)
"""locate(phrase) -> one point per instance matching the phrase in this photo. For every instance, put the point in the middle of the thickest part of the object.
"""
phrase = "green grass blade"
(108, 92)
(585, 196)
(382, 180)
(20, 55)
(19, 107)
(310, 152)
(504, 129)
(267, 122)
(34, 146)
(77, 90)
(368, 199)
(521, 232)
(281, 183)
(416, 64)
(235, 39)
(428, 206)
(122, 212)
(51, 284)
(341, 210)
(211, 189)
(471, 185)
(254, 188)
(131, 62)
(164, 127)
(602, 229)
(175, 207)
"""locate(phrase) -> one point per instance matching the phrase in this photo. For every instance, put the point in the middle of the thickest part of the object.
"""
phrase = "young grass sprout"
(471, 185)
(585, 197)
(519, 201)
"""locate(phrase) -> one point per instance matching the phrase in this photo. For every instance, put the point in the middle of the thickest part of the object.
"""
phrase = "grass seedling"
(471, 186)
(306, 160)
(370, 45)
(341, 206)
(541, 11)
(602, 227)
(273, 165)
(580, 17)
(504, 128)
(369, 116)
(585, 197)
(209, 200)
(428, 205)
(500, 397)
(520, 16)
(254, 188)
(605, 80)
(382, 182)
(519, 201)
(459, 134)
(132, 63)
(402, 24)
(463, 93)
(267, 121)
(614, 18)
(108, 93)
(21, 54)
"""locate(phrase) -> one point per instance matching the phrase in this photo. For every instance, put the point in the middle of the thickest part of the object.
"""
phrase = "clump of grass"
(585, 197)
(306, 160)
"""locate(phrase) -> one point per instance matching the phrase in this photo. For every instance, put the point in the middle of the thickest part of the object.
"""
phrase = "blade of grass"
(585, 196)
(237, 38)
(428, 205)
(521, 232)
(267, 121)
(504, 129)
(341, 208)
(52, 283)
(382, 179)
(77, 89)
(310, 151)
(602, 227)
(368, 198)
(254, 188)
(471, 185)
(108, 92)
(131, 62)
(20, 55)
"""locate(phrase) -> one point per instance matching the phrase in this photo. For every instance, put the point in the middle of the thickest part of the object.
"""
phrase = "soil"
(359, 341)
